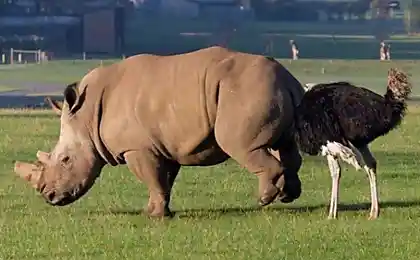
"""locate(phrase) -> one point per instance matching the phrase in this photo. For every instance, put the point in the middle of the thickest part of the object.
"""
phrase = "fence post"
(11, 56)
(44, 57)
(3, 58)
(84, 55)
(38, 58)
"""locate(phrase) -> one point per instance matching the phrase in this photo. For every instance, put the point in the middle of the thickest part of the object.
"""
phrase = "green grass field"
(216, 214)
(5, 88)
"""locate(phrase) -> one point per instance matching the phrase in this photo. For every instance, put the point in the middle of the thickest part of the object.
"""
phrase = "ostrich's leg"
(370, 168)
(335, 172)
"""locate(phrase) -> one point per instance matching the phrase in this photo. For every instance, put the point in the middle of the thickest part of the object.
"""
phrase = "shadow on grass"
(29, 116)
(243, 211)
(96, 253)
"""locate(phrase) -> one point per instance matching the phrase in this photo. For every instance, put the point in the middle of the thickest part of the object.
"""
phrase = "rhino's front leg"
(158, 174)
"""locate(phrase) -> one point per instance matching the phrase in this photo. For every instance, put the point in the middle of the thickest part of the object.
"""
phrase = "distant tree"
(73, 6)
(412, 15)
(284, 10)
(380, 8)
(359, 8)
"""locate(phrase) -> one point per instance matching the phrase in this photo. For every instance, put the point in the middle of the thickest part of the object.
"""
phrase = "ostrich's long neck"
(396, 110)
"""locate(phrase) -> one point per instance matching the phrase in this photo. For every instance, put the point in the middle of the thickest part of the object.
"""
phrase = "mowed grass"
(4, 88)
(216, 213)
(369, 73)
(58, 72)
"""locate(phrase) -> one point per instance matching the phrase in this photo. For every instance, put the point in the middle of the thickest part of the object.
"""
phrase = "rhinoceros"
(157, 113)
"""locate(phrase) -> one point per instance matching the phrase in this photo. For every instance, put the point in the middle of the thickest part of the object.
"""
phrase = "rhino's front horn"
(29, 172)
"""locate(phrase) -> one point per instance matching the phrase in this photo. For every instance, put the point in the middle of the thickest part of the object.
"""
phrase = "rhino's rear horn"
(43, 156)
(56, 106)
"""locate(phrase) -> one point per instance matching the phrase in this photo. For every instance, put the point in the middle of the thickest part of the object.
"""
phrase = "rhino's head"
(68, 172)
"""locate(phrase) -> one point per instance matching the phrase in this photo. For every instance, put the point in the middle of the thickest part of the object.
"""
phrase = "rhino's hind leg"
(289, 157)
(172, 169)
(158, 174)
(247, 125)
(260, 162)
(268, 170)
(276, 169)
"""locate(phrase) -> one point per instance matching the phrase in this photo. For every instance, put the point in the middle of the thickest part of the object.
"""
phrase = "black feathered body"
(344, 113)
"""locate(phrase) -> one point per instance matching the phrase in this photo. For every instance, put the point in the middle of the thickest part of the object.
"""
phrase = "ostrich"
(339, 120)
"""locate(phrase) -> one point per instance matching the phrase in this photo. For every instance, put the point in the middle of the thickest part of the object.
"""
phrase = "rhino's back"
(172, 102)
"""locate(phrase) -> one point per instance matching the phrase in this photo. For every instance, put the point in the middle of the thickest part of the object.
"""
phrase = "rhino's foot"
(160, 214)
(269, 195)
(158, 211)
(269, 189)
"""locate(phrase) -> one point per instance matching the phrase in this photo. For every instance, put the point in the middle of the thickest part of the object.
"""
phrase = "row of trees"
(264, 9)
(309, 10)
(412, 15)
(57, 6)
(290, 10)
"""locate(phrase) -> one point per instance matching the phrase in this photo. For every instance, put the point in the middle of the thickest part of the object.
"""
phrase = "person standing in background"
(295, 50)
(382, 51)
(388, 52)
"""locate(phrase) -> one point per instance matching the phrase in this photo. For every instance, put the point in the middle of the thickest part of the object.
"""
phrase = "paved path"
(28, 94)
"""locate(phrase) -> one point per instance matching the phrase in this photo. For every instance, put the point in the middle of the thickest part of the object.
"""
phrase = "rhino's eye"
(65, 159)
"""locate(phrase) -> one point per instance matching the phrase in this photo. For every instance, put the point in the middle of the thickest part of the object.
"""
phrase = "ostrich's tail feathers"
(349, 155)
(399, 87)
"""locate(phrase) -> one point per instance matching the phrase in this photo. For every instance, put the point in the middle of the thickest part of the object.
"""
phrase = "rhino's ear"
(72, 97)
(57, 106)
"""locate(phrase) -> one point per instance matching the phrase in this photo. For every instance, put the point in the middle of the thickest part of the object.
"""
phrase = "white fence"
(23, 56)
